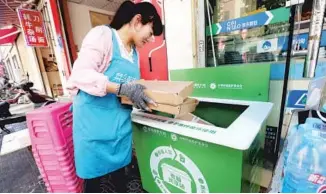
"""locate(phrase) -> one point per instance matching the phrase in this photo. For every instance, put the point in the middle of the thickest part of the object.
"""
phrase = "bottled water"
(289, 141)
(306, 169)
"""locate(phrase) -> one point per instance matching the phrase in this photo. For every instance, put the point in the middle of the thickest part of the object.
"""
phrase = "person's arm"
(87, 72)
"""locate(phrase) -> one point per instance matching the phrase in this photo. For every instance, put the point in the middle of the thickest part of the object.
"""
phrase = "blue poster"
(296, 70)
(297, 99)
(278, 71)
(300, 39)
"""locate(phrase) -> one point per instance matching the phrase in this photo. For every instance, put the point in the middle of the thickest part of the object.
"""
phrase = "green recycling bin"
(183, 156)
(222, 156)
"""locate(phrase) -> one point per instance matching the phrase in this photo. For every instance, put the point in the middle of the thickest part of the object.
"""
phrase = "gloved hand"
(135, 92)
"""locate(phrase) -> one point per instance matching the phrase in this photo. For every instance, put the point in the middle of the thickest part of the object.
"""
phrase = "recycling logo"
(166, 175)
(213, 86)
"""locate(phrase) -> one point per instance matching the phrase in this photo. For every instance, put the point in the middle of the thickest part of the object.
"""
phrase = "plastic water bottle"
(305, 170)
(293, 139)
(289, 141)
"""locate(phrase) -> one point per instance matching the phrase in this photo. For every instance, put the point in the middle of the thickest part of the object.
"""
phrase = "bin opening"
(219, 114)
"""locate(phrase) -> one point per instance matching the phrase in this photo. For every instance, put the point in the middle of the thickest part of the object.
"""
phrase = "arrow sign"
(251, 21)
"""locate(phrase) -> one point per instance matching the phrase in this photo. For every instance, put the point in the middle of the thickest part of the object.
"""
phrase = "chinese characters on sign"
(123, 78)
(33, 27)
(233, 25)
(199, 86)
(317, 179)
(230, 86)
(176, 123)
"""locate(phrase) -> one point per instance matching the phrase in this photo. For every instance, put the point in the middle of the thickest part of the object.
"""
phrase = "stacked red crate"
(50, 129)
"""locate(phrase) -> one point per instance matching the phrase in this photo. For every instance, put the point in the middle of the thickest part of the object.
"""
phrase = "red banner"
(33, 27)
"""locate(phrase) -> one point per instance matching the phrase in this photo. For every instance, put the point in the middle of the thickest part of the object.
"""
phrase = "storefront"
(235, 53)
(257, 32)
(243, 33)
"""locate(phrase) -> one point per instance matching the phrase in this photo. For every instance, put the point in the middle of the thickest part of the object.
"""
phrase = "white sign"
(265, 46)
(174, 176)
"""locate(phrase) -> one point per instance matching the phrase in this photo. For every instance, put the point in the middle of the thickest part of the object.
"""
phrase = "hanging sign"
(33, 27)
(251, 21)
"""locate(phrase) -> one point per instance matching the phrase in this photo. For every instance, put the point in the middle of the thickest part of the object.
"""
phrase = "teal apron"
(102, 131)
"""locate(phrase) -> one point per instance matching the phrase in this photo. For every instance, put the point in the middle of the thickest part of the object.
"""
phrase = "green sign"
(237, 82)
(251, 21)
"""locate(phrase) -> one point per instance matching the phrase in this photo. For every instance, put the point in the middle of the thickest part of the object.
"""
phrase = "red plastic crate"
(50, 129)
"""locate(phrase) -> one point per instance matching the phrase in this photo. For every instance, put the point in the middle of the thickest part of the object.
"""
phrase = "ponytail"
(128, 10)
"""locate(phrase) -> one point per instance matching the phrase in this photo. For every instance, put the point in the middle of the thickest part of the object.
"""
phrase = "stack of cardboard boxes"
(172, 97)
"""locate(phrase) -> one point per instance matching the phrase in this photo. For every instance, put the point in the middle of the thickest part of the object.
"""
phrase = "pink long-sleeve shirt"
(93, 60)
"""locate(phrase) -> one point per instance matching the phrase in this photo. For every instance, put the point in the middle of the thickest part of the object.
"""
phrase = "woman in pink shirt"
(106, 68)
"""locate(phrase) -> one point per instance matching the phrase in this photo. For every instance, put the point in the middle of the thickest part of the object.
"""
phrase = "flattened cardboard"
(168, 92)
(188, 106)
(193, 118)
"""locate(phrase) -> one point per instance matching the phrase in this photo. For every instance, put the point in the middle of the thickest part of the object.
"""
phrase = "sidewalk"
(21, 108)
(19, 173)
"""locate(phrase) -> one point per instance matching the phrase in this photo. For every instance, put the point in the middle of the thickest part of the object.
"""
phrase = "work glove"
(135, 92)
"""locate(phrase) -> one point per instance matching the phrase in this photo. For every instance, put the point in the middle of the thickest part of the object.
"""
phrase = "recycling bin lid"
(238, 135)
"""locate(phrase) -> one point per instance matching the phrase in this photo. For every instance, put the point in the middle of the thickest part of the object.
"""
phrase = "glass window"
(244, 32)
(250, 35)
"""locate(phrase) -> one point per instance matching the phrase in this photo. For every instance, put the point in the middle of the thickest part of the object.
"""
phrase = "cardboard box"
(188, 106)
(168, 92)
(193, 118)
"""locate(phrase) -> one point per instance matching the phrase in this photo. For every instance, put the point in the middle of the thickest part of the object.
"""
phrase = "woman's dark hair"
(128, 10)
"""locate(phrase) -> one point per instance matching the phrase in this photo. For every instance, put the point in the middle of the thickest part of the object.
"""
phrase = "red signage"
(33, 27)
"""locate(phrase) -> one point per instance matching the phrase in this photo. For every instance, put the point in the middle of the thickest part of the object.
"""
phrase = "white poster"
(265, 46)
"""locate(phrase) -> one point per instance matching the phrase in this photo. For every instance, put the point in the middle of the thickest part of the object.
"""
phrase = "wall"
(80, 20)
(178, 32)
(4, 52)
(14, 70)
(275, 96)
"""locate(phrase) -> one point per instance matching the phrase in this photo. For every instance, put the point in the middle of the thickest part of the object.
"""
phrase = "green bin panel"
(238, 82)
(183, 162)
